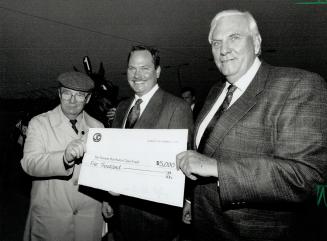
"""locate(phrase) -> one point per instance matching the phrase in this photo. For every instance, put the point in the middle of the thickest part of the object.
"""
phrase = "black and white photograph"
(163, 120)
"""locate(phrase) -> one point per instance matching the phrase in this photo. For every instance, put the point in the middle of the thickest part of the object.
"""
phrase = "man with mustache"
(150, 108)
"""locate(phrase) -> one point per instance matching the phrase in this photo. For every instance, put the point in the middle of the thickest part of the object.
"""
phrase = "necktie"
(217, 115)
(133, 114)
(74, 125)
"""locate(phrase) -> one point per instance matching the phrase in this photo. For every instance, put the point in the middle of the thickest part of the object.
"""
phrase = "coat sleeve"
(182, 118)
(37, 161)
(298, 160)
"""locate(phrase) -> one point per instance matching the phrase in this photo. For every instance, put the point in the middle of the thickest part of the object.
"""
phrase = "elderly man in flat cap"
(60, 209)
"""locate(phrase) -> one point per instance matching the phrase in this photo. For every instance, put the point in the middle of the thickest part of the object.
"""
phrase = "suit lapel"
(151, 111)
(237, 111)
(121, 113)
(210, 101)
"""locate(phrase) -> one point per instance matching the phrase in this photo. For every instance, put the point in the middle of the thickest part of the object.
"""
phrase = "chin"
(138, 90)
(227, 73)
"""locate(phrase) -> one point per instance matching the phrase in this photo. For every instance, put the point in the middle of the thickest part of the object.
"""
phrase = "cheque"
(136, 162)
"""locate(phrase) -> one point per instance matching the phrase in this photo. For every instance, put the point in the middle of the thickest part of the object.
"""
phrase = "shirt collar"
(79, 118)
(146, 98)
(247, 78)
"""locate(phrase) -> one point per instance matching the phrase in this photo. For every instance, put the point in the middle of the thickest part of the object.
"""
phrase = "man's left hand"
(193, 163)
(187, 217)
(107, 210)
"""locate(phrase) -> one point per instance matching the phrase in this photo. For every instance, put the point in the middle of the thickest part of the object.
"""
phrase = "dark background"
(42, 38)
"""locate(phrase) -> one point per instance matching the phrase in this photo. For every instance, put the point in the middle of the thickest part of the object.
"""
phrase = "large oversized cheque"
(136, 162)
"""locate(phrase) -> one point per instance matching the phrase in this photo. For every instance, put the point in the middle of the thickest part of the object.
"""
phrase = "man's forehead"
(141, 54)
(233, 24)
(141, 57)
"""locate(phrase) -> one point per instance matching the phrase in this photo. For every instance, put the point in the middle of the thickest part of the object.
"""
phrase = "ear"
(88, 98)
(257, 44)
(158, 71)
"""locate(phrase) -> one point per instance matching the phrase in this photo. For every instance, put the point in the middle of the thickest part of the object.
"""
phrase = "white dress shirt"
(145, 100)
(241, 86)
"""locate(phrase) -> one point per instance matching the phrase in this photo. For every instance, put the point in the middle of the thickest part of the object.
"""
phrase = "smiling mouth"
(226, 60)
(138, 81)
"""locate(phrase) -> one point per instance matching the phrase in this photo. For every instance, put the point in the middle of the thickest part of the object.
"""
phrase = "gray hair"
(253, 27)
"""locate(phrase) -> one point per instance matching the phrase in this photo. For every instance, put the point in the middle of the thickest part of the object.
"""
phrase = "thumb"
(83, 138)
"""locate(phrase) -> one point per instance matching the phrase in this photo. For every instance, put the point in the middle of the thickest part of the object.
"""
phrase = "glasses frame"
(78, 96)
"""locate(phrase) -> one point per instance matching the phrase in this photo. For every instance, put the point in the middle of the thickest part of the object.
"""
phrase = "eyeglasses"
(79, 97)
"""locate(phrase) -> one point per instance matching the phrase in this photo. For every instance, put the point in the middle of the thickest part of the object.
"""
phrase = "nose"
(224, 48)
(72, 99)
(137, 73)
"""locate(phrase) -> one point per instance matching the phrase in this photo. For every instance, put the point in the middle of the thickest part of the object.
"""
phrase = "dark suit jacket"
(196, 110)
(144, 220)
(271, 152)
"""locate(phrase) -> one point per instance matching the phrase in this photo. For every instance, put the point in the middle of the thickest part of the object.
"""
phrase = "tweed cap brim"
(76, 81)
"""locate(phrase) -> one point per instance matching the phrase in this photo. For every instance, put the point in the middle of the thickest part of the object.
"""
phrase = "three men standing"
(261, 141)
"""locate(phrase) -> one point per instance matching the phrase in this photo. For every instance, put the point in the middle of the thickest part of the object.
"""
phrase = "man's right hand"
(74, 150)
(195, 164)
(111, 114)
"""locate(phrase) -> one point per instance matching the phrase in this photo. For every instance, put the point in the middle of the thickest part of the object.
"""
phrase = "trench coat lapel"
(57, 121)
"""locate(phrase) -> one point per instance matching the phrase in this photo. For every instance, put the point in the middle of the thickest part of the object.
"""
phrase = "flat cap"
(76, 81)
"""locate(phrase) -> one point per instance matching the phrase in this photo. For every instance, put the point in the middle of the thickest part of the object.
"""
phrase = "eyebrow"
(235, 34)
(148, 66)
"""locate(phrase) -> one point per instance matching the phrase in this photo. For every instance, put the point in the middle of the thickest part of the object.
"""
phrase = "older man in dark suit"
(261, 142)
(150, 108)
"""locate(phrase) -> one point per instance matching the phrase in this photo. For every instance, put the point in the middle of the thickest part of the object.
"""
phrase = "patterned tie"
(74, 125)
(133, 114)
(217, 115)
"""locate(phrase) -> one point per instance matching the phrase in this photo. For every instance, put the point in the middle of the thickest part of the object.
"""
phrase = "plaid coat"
(271, 152)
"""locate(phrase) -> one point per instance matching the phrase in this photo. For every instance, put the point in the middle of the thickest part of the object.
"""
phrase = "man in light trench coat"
(60, 209)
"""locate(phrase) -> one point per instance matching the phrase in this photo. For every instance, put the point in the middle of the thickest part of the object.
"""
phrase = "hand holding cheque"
(73, 151)
(136, 162)
(194, 164)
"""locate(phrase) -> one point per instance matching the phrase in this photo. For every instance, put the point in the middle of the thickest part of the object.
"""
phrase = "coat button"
(75, 212)
(75, 183)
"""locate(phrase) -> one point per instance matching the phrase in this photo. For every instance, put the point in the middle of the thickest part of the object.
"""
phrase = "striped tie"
(219, 112)
(133, 114)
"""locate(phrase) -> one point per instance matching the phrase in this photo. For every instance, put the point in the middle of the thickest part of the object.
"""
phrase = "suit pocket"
(250, 139)
(257, 133)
